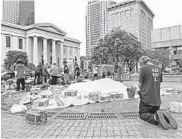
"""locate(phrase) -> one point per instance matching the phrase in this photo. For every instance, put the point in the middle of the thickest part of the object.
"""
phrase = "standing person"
(77, 72)
(38, 73)
(108, 74)
(89, 71)
(12, 70)
(46, 65)
(45, 73)
(103, 73)
(95, 72)
(20, 69)
(150, 100)
(54, 73)
(66, 73)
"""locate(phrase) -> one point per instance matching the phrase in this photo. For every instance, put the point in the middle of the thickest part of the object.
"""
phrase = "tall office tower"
(135, 17)
(96, 23)
(19, 12)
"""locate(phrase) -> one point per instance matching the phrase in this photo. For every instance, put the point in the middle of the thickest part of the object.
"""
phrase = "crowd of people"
(53, 74)
(42, 73)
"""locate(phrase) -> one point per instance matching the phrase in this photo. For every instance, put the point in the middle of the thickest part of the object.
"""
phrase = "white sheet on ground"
(104, 86)
(87, 92)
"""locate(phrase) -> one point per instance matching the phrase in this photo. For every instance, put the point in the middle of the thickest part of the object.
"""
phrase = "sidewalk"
(14, 126)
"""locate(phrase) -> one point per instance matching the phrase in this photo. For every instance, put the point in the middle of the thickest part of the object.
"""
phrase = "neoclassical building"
(43, 42)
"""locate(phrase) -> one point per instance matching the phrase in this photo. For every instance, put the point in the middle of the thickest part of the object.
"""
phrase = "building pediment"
(48, 27)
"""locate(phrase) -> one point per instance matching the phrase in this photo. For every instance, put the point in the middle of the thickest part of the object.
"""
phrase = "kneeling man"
(150, 100)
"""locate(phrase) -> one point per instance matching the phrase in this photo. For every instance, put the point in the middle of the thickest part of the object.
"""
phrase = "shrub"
(13, 56)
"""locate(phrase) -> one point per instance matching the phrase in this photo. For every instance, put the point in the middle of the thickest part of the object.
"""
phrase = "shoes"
(170, 120)
(161, 120)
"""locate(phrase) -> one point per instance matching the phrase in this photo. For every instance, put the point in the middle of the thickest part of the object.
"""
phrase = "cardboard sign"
(70, 93)
(94, 96)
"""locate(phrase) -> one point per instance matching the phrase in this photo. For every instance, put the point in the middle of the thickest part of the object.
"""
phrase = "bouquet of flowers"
(131, 90)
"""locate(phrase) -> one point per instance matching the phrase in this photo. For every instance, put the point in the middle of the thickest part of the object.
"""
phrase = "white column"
(27, 49)
(62, 55)
(78, 58)
(45, 50)
(35, 51)
(54, 51)
(3, 48)
(67, 48)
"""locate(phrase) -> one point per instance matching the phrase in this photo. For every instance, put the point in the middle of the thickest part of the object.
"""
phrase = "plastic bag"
(18, 108)
(176, 107)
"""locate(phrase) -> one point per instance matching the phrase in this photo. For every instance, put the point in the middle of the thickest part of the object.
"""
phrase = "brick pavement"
(14, 126)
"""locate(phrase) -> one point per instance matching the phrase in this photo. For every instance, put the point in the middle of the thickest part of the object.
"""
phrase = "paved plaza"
(15, 126)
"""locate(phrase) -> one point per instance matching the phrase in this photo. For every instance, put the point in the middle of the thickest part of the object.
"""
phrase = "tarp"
(104, 86)
(82, 93)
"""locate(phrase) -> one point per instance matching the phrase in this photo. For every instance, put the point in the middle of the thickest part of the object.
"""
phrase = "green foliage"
(118, 46)
(162, 55)
(13, 56)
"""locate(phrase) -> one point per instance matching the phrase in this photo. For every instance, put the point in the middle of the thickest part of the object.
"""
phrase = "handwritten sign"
(71, 93)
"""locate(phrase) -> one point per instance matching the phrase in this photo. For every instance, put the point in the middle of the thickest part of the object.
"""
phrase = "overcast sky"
(69, 15)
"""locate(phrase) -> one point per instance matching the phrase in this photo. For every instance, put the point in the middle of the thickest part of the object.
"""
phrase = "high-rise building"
(19, 12)
(133, 16)
(96, 23)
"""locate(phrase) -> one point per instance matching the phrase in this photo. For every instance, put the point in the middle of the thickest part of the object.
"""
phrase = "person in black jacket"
(77, 72)
(38, 74)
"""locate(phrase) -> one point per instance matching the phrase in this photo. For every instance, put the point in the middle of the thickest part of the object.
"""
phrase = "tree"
(100, 54)
(13, 56)
(162, 55)
(118, 46)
